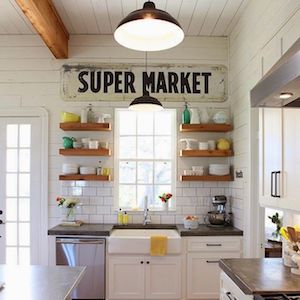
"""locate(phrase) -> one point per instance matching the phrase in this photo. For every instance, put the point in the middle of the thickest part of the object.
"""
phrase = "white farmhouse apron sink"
(137, 241)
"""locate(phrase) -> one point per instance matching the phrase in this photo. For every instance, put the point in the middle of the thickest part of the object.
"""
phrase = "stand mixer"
(218, 216)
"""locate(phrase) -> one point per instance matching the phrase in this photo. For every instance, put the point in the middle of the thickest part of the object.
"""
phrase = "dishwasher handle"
(80, 241)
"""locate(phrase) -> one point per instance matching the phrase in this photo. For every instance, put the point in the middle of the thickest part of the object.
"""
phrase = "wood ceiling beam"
(47, 22)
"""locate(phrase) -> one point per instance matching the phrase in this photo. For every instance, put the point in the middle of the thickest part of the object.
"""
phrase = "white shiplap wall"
(264, 32)
(30, 76)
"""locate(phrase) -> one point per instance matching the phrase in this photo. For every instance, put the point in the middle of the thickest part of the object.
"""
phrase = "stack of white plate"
(87, 170)
(219, 169)
(70, 169)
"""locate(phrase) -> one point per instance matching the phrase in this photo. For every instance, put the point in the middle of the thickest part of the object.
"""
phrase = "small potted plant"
(165, 197)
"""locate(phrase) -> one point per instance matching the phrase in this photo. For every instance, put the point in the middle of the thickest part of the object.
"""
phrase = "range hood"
(284, 77)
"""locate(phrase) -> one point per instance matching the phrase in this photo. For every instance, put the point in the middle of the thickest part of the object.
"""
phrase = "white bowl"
(203, 145)
(198, 172)
(87, 170)
(219, 169)
(190, 224)
(220, 117)
(197, 168)
(188, 172)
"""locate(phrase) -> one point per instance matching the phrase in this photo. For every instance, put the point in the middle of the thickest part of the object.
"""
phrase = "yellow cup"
(105, 171)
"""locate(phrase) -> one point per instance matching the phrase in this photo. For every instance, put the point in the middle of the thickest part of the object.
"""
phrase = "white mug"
(93, 144)
(211, 145)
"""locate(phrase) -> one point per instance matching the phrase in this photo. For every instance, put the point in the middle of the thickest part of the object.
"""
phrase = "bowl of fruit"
(191, 222)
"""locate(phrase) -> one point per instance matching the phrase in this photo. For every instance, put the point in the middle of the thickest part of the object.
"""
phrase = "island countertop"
(106, 229)
(261, 276)
(39, 282)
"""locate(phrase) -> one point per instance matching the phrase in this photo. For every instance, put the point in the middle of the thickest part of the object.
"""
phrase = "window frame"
(173, 160)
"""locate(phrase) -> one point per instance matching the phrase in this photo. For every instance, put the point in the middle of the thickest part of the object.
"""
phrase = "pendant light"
(149, 29)
(145, 102)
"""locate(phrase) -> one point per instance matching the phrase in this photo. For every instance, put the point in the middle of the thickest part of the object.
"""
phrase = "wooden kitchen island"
(38, 282)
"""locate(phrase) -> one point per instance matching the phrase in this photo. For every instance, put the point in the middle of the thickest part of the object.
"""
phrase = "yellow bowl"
(67, 117)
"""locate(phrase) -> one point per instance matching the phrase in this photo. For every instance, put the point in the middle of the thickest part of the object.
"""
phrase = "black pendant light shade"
(145, 103)
(149, 29)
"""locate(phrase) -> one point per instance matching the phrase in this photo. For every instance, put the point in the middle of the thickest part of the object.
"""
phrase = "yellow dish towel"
(158, 245)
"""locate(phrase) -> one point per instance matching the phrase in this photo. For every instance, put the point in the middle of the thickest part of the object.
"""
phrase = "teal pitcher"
(68, 142)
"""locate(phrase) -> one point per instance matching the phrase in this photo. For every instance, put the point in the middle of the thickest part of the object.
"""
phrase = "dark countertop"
(261, 275)
(84, 229)
(204, 230)
(105, 229)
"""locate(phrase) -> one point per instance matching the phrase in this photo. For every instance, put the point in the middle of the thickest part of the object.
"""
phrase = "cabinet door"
(126, 278)
(291, 160)
(270, 157)
(229, 290)
(203, 275)
(163, 278)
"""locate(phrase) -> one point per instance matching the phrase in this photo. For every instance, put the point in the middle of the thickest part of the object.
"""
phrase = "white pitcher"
(194, 116)
(204, 116)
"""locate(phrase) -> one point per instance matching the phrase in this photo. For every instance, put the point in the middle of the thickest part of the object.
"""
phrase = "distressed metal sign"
(103, 82)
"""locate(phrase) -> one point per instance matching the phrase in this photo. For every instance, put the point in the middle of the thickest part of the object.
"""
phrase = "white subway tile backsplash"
(89, 191)
(188, 192)
(103, 210)
(189, 210)
(166, 219)
(75, 191)
(104, 191)
(96, 200)
(96, 218)
(203, 192)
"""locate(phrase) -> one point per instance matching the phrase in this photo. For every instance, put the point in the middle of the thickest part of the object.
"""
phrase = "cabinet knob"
(148, 262)
(1, 211)
(142, 262)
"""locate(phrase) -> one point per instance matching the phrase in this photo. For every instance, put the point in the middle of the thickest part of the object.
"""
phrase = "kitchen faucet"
(147, 218)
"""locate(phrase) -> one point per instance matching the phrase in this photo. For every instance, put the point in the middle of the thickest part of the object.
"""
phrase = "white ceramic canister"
(194, 116)
(83, 117)
(211, 145)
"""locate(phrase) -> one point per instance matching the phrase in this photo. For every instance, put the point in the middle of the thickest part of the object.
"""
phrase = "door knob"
(1, 211)
(1, 222)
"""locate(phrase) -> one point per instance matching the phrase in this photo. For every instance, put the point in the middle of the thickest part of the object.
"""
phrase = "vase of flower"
(165, 206)
(165, 197)
(68, 214)
(68, 208)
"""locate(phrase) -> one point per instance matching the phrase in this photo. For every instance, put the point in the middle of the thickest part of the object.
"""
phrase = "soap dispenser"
(186, 116)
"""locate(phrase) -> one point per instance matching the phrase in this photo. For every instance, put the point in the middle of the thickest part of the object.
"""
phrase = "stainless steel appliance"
(277, 297)
(89, 252)
(280, 87)
(218, 215)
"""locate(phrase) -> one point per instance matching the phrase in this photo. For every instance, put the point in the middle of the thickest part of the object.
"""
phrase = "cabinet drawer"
(209, 244)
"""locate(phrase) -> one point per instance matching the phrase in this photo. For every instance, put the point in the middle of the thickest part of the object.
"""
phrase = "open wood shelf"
(205, 127)
(206, 178)
(85, 177)
(205, 153)
(85, 152)
(85, 126)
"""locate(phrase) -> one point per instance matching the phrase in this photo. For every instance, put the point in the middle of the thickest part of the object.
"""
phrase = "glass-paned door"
(20, 140)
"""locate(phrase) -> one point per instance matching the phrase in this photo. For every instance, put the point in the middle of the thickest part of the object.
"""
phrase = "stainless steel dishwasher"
(89, 252)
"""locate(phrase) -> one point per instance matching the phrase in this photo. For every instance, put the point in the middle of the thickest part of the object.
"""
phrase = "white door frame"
(43, 115)
(256, 213)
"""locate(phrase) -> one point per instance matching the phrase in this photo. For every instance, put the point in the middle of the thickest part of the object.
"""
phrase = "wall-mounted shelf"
(85, 126)
(206, 178)
(205, 153)
(85, 177)
(205, 127)
(85, 152)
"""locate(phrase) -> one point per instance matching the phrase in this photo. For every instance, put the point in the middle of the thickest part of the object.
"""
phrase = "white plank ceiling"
(197, 17)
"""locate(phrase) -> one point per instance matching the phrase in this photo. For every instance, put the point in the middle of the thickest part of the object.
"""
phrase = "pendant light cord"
(146, 58)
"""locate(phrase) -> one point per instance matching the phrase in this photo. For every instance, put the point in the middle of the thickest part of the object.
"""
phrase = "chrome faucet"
(147, 218)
